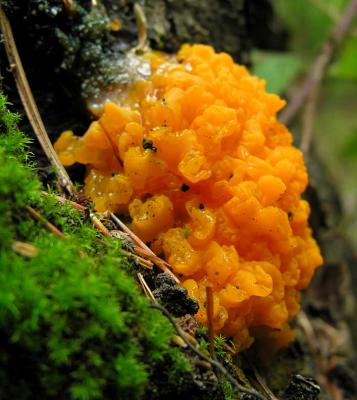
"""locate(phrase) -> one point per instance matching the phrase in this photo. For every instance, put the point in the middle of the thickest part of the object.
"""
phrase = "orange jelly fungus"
(196, 156)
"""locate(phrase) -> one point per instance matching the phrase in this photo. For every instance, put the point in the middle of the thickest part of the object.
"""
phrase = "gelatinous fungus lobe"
(195, 154)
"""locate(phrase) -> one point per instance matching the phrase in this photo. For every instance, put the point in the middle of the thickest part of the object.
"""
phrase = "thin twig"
(210, 305)
(29, 102)
(37, 216)
(317, 70)
(328, 9)
(146, 288)
(232, 350)
(219, 367)
(146, 251)
(313, 344)
(260, 379)
(144, 263)
(308, 119)
(99, 225)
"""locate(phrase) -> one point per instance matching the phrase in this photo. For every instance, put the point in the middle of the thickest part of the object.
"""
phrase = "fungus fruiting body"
(210, 178)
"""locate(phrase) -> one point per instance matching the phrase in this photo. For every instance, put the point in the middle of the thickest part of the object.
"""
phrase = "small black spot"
(185, 187)
(148, 145)
(163, 101)
(114, 173)
(201, 206)
(290, 215)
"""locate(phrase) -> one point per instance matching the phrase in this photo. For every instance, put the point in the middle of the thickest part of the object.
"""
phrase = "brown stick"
(29, 102)
(308, 120)
(99, 225)
(317, 70)
(210, 305)
(146, 288)
(37, 216)
(142, 261)
(260, 380)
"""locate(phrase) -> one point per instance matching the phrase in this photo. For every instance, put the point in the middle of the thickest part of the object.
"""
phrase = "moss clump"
(73, 324)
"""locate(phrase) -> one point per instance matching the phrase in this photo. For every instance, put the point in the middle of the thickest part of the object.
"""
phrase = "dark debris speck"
(148, 145)
(164, 279)
(174, 298)
(185, 187)
(301, 388)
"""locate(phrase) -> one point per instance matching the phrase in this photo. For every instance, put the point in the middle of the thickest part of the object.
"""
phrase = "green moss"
(219, 342)
(228, 389)
(73, 322)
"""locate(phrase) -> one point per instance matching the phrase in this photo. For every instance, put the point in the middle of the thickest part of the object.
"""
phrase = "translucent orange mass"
(197, 158)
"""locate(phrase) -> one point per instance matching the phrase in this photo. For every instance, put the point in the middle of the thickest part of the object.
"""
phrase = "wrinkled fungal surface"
(195, 154)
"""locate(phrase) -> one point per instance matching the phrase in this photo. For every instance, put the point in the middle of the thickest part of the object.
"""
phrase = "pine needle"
(146, 288)
(260, 380)
(37, 216)
(29, 102)
(210, 305)
(142, 261)
(100, 226)
(144, 250)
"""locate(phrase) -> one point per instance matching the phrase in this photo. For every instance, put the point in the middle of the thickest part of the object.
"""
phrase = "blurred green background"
(308, 24)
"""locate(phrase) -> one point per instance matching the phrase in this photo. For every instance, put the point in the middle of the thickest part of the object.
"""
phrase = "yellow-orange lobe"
(197, 158)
